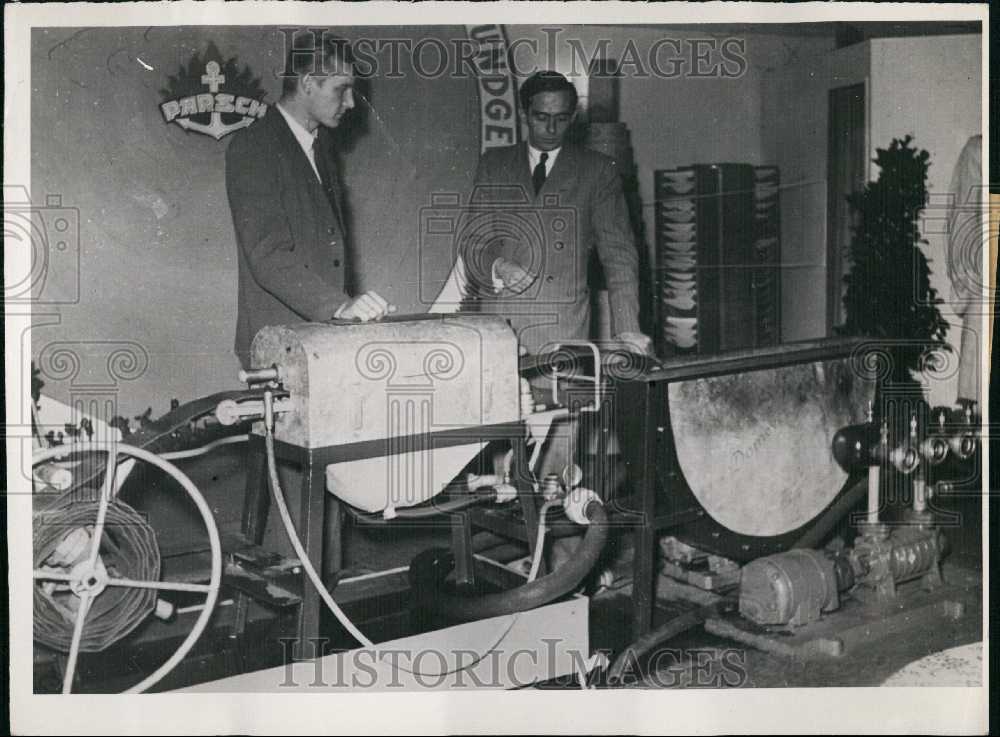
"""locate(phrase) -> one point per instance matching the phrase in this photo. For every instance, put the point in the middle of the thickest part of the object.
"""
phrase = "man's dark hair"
(316, 53)
(545, 82)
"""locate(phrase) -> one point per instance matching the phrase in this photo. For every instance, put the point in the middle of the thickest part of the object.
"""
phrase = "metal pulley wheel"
(88, 578)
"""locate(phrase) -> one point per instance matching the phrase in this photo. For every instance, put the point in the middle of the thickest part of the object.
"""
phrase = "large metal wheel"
(88, 579)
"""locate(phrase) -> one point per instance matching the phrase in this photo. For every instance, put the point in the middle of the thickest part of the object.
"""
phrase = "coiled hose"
(429, 569)
(129, 550)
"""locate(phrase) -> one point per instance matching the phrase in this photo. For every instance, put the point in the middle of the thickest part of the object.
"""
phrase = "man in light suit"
(530, 266)
(284, 194)
(551, 202)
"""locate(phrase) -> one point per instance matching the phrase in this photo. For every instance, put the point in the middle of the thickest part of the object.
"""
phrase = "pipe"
(429, 569)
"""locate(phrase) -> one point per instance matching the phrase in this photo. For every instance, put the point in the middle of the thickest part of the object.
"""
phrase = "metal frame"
(311, 494)
(661, 497)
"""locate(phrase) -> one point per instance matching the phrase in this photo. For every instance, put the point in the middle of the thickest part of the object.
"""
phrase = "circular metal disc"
(755, 447)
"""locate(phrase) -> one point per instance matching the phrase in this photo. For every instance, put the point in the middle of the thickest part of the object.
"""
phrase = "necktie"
(538, 175)
(325, 177)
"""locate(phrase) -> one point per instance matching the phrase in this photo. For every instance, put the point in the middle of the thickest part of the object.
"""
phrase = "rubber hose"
(676, 626)
(429, 569)
(836, 512)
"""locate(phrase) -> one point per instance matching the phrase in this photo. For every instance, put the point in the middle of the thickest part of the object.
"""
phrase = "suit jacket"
(580, 207)
(290, 238)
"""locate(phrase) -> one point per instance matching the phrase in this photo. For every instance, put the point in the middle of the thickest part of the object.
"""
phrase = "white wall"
(794, 119)
(687, 120)
(930, 88)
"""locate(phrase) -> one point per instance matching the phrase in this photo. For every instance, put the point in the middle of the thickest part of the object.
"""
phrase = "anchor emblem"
(217, 129)
(214, 103)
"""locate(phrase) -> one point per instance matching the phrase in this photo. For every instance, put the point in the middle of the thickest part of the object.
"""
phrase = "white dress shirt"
(534, 155)
(304, 137)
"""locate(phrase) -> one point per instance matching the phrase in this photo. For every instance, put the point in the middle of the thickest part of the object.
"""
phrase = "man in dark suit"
(281, 178)
(552, 202)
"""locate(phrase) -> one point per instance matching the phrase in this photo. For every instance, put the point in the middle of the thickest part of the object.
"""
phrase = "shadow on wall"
(157, 251)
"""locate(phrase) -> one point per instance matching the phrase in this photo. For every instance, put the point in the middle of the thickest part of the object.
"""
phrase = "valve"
(906, 457)
(231, 412)
(934, 448)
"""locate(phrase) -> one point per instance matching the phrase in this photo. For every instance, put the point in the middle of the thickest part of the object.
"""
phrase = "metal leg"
(256, 504)
(310, 529)
(461, 545)
(642, 584)
(256, 499)
(333, 535)
(644, 567)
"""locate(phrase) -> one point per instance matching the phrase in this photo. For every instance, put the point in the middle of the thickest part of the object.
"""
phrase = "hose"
(128, 550)
(426, 511)
(178, 455)
(429, 569)
(536, 562)
(676, 626)
(834, 513)
(279, 500)
(286, 520)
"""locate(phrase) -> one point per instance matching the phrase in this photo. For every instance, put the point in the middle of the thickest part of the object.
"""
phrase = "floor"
(695, 659)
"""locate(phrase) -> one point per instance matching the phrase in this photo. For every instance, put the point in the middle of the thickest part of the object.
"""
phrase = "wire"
(181, 454)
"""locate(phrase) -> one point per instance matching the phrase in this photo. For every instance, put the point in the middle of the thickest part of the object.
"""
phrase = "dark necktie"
(325, 178)
(538, 175)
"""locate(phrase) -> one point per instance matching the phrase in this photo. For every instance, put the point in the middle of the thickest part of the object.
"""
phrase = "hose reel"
(97, 565)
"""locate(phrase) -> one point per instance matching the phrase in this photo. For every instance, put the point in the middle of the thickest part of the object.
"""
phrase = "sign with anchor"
(233, 99)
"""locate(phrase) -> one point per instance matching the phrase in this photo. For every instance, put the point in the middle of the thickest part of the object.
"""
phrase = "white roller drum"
(388, 381)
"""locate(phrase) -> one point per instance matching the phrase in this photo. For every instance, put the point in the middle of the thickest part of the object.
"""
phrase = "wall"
(930, 88)
(158, 255)
(925, 86)
(689, 119)
(794, 119)
(157, 264)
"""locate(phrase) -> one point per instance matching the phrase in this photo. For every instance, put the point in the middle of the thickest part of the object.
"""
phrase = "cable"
(181, 454)
(536, 562)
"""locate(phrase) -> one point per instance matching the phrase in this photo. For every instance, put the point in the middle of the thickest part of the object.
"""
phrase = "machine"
(728, 472)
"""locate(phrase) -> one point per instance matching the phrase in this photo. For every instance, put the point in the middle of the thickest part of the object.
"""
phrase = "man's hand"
(369, 306)
(637, 342)
(515, 278)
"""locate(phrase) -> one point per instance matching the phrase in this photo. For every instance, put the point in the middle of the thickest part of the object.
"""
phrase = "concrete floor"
(695, 659)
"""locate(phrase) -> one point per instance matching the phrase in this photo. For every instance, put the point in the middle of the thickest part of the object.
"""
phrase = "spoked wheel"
(88, 578)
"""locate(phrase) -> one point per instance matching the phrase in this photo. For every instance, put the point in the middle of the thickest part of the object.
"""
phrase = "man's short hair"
(546, 82)
(316, 54)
